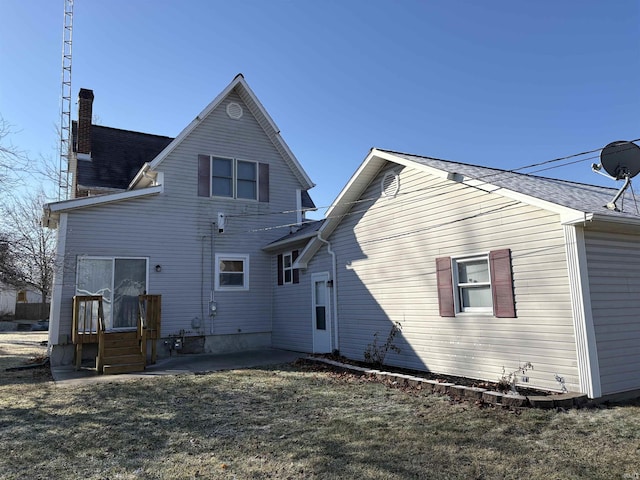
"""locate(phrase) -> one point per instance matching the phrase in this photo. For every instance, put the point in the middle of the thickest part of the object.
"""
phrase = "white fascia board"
(308, 252)
(302, 175)
(613, 219)
(76, 203)
(139, 176)
(238, 81)
(357, 184)
(195, 122)
(186, 131)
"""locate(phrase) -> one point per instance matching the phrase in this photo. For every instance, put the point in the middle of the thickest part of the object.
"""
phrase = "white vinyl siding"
(292, 327)
(430, 218)
(614, 281)
(175, 230)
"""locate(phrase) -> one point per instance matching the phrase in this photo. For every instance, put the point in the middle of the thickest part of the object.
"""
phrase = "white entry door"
(321, 313)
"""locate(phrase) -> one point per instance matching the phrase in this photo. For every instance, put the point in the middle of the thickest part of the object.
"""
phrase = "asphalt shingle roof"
(117, 156)
(578, 196)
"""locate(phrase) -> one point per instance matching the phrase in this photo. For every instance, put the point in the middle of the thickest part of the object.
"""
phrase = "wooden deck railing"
(149, 315)
(89, 325)
(88, 321)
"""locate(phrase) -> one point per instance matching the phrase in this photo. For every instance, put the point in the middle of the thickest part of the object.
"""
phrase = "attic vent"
(234, 111)
(390, 184)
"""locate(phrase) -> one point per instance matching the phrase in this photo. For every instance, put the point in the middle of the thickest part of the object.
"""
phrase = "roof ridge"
(132, 131)
(499, 170)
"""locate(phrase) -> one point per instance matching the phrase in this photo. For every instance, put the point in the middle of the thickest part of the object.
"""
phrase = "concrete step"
(125, 368)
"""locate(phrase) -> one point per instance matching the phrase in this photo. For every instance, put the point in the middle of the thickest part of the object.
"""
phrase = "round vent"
(390, 184)
(234, 111)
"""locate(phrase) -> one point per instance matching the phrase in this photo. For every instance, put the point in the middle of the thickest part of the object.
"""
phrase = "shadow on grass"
(284, 422)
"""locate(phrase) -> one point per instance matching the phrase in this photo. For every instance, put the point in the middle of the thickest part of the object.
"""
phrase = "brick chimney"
(85, 112)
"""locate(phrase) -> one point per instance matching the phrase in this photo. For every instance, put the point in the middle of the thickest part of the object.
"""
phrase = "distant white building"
(8, 297)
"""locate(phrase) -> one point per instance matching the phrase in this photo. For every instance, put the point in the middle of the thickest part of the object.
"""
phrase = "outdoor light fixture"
(158, 268)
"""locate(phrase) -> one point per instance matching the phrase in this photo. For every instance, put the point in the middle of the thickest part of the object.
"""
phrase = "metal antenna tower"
(64, 170)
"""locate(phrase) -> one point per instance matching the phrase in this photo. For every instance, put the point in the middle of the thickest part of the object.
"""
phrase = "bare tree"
(29, 246)
(12, 159)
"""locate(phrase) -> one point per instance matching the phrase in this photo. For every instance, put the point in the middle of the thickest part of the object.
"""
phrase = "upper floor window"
(232, 178)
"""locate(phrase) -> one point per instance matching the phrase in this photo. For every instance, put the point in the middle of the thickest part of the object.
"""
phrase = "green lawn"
(295, 421)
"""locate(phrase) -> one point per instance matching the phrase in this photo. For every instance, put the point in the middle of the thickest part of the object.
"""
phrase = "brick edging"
(561, 400)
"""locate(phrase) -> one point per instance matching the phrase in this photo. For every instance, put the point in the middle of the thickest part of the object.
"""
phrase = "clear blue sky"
(495, 83)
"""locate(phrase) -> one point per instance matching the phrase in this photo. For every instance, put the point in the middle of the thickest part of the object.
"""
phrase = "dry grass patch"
(295, 422)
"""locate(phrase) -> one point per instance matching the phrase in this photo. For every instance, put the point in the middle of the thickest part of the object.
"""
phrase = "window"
(119, 281)
(479, 283)
(22, 296)
(232, 178)
(286, 268)
(247, 175)
(286, 273)
(232, 272)
(221, 177)
(473, 285)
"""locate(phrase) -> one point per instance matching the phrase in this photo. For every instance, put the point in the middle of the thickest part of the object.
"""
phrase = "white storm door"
(320, 313)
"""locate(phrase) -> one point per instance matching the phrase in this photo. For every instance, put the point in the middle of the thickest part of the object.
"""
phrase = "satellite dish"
(621, 160)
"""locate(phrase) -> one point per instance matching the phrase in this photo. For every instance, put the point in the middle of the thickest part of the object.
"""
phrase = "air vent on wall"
(234, 111)
(390, 184)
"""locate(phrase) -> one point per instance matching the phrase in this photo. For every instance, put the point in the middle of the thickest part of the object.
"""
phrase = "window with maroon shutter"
(445, 287)
(296, 272)
(233, 178)
(476, 284)
(502, 283)
(204, 175)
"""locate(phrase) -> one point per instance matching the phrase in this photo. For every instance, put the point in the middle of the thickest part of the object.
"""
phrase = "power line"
(444, 183)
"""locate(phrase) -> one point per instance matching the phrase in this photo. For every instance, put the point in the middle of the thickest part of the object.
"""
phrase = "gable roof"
(574, 202)
(116, 156)
(266, 122)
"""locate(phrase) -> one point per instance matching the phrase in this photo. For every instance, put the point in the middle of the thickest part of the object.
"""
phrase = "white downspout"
(335, 291)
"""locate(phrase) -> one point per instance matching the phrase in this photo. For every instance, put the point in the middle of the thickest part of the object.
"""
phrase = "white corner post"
(584, 331)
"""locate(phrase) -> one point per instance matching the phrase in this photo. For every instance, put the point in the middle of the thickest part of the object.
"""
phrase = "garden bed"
(459, 388)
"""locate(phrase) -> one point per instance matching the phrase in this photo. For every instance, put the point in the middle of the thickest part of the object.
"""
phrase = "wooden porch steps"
(120, 353)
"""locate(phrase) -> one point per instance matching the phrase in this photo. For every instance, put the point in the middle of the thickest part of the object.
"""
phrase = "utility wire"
(498, 172)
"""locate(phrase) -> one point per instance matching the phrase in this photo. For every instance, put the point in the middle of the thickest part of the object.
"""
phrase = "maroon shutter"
(280, 271)
(263, 182)
(445, 287)
(502, 283)
(204, 176)
(296, 273)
